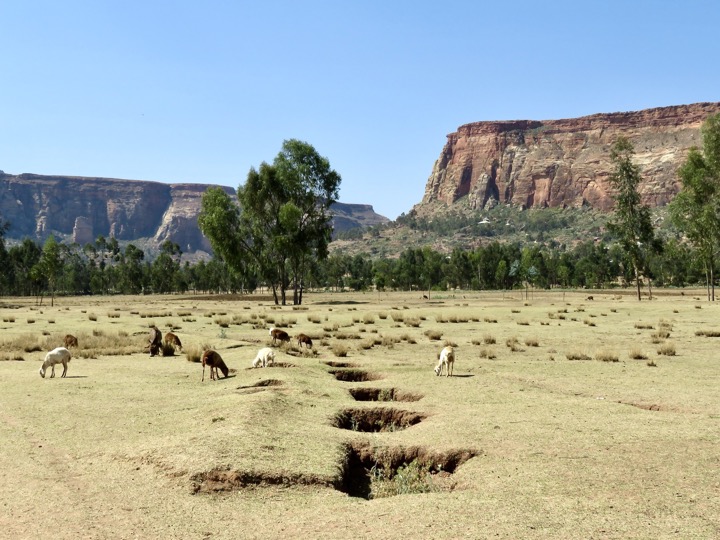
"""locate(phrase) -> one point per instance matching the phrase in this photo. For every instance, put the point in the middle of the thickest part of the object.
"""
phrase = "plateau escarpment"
(558, 163)
(79, 209)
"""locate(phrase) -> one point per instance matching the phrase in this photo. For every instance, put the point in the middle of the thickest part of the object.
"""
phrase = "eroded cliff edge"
(79, 209)
(555, 163)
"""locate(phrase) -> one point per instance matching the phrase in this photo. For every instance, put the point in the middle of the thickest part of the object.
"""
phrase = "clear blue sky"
(201, 91)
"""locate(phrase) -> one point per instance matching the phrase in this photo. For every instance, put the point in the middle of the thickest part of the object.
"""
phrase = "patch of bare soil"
(364, 465)
(341, 364)
(260, 386)
(282, 365)
(376, 420)
(354, 375)
(218, 480)
(383, 394)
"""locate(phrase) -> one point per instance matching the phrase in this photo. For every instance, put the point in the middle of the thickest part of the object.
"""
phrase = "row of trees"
(105, 268)
(278, 233)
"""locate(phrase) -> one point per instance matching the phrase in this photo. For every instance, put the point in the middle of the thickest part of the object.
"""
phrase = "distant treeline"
(31, 269)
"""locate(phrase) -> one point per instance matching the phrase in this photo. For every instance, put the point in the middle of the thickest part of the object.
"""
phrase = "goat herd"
(265, 356)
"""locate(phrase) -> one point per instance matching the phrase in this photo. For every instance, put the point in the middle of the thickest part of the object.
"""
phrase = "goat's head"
(438, 369)
(42, 371)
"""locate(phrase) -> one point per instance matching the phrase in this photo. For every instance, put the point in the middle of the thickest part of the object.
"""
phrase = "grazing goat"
(265, 357)
(215, 361)
(279, 335)
(59, 355)
(155, 340)
(173, 340)
(70, 341)
(447, 359)
(302, 338)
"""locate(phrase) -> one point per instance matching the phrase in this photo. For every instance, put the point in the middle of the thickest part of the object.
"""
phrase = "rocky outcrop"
(79, 209)
(551, 163)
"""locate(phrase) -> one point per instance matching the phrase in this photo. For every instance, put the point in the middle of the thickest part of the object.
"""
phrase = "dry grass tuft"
(637, 354)
(605, 356)
(668, 349)
(340, 350)
(577, 356)
(433, 335)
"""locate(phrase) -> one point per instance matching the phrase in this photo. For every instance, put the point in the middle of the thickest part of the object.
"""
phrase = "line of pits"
(361, 460)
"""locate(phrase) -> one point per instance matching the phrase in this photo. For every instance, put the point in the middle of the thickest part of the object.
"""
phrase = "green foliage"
(631, 223)
(696, 209)
(283, 228)
(413, 477)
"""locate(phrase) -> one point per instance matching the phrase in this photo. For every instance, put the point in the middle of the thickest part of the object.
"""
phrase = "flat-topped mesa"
(79, 209)
(556, 163)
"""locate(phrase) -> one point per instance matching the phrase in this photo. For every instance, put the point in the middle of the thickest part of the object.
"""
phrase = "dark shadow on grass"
(463, 375)
(74, 377)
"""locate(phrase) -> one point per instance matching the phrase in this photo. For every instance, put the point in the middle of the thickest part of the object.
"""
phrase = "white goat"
(265, 357)
(447, 359)
(57, 356)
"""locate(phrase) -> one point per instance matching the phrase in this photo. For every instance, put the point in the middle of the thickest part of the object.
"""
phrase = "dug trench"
(380, 419)
(370, 473)
(354, 375)
(365, 472)
(383, 394)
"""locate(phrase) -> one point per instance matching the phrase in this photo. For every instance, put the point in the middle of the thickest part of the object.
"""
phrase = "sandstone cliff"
(562, 162)
(79, 209)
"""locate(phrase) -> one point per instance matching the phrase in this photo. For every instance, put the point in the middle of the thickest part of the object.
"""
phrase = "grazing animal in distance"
(447, 360)
(265, 357)
(173, 340)
(279, 335)
(303, 339)
(215, 361)
(155, 340)
(70, 341)
(60, 355)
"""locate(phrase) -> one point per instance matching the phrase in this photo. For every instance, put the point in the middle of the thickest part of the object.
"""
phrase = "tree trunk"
(712, 284)
(637, 282)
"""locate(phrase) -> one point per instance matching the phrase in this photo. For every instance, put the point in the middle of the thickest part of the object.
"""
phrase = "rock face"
(551, 163)
(79, 209)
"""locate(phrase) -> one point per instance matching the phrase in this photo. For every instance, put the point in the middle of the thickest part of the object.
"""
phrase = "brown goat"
(279, 335)
(71, 341)
(173, 340)
(155, 340)
(215, 361)
(302, 338)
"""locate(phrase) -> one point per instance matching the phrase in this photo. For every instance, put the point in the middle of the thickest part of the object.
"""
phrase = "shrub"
(340, 350)
(577, 356)
(606, 357)
(668, 349)
(532, 342)
(433, 335)
(194, 353)
(92, 317)
(413, 322)
(369, 318)
(489, 340)
(637, 354)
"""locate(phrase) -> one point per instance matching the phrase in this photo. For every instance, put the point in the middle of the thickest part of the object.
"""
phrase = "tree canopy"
(281, 224)
(631, 222)
(696, 209)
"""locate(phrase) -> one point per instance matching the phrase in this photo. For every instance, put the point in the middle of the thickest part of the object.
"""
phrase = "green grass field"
(566, 418)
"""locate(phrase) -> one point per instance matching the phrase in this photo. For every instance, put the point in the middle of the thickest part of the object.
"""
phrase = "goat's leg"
(203, 377)
(52, 374)
(64, 369)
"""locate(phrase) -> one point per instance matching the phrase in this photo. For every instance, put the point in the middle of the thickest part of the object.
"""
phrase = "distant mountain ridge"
(79, 209)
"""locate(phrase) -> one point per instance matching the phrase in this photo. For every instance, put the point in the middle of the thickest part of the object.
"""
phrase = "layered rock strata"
(552, 163)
